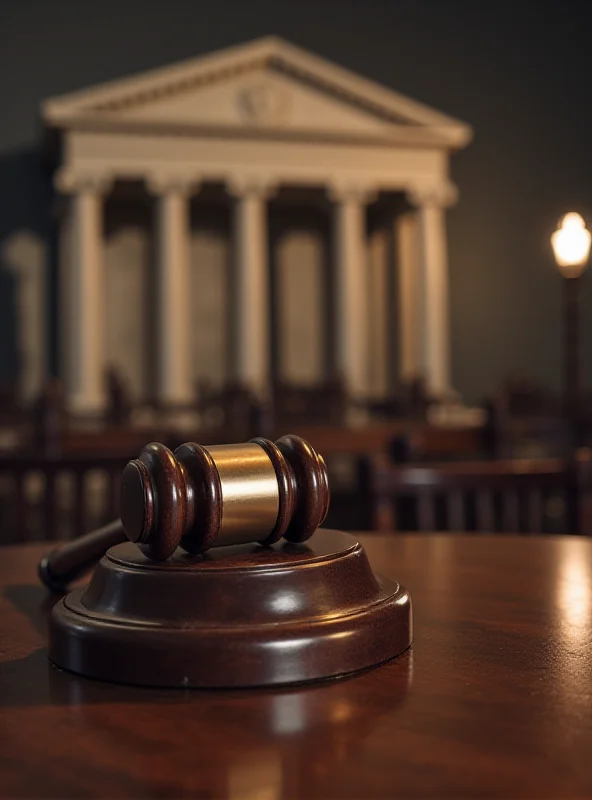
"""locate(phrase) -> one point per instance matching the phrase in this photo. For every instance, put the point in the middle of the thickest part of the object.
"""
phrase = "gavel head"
(199, 497)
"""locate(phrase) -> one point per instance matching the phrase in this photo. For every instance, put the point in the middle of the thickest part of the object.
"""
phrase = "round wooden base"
(234, 616)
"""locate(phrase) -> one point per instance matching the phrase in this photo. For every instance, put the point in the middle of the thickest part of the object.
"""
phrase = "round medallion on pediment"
(264, 103)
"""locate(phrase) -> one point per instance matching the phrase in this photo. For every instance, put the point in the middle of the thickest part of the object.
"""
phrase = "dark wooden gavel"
(201, 497)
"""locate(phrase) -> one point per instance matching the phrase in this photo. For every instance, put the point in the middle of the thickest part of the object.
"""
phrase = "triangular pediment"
(266, 87)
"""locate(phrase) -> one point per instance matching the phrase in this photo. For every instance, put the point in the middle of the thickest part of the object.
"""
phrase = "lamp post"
(571, 248)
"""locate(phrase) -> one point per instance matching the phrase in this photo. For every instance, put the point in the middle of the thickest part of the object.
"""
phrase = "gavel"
(201, 497)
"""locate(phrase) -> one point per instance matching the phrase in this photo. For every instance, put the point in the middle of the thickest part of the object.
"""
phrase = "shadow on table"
(35, 602)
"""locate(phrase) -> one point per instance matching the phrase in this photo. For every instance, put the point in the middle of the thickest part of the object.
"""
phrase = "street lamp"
(571, 248)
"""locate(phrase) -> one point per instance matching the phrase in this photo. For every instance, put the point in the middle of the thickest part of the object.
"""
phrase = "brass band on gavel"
(250, 493)
(202, 497)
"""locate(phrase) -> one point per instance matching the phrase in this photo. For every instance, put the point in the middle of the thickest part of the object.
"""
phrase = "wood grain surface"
(494, 699)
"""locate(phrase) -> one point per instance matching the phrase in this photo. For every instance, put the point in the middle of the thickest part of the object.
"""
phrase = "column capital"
(159, 183)
(68, 181)
(343, 191)
(240, 186)
(432, 195)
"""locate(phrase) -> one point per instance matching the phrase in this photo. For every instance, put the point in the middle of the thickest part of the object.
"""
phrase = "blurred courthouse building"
(254, 214)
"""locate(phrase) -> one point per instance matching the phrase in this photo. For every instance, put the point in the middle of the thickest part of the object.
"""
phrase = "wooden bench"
(529, 496)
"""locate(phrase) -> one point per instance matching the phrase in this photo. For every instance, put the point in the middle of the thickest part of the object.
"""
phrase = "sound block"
(233, 616)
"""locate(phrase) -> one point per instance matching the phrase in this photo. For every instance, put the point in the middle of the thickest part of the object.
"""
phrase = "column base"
(357, 417)
(452, 412)
(179, 419)
(86, 405)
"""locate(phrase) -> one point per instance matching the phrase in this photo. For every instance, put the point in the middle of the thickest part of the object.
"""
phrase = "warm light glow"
(568, 644)
(575, 593)
(571, 245)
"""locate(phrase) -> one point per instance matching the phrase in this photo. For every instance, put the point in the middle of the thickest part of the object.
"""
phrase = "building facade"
(250, 215)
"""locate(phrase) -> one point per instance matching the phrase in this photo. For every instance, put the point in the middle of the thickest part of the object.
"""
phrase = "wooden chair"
(322, 404)
(232, 413)
(44, 498)
(48, 418)
(119, 405)
(409, 401)
(428, 444)
(13, 419)
(11, 411)
(520, 496)
(524, 420)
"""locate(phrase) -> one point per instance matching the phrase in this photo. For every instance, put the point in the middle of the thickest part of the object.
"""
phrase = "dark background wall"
(519, 72)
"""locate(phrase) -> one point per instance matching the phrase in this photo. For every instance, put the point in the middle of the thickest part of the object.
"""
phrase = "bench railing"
(47, 499)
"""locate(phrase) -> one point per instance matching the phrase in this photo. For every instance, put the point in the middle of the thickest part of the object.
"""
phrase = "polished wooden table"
(494, 699)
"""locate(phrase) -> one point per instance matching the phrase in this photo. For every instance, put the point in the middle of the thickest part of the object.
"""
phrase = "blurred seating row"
(220, 415)
(45, 498)
(385, 472)
(520, 419)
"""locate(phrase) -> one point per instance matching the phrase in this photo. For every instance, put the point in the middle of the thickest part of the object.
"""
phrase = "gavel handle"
(66, 563)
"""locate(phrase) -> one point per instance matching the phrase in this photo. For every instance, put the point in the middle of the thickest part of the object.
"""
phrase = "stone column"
(378, 309)
(408, 297)
(82, 301)
(430, 203)
(24, 254)
(351, 289)
(173, 354)
(251, 306)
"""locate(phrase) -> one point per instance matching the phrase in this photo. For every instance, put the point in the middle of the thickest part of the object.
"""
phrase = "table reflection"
(574, 590)
(289, 735)
(574, 608)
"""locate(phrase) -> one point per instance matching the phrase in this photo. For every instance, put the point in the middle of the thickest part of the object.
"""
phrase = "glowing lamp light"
(571, 245)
